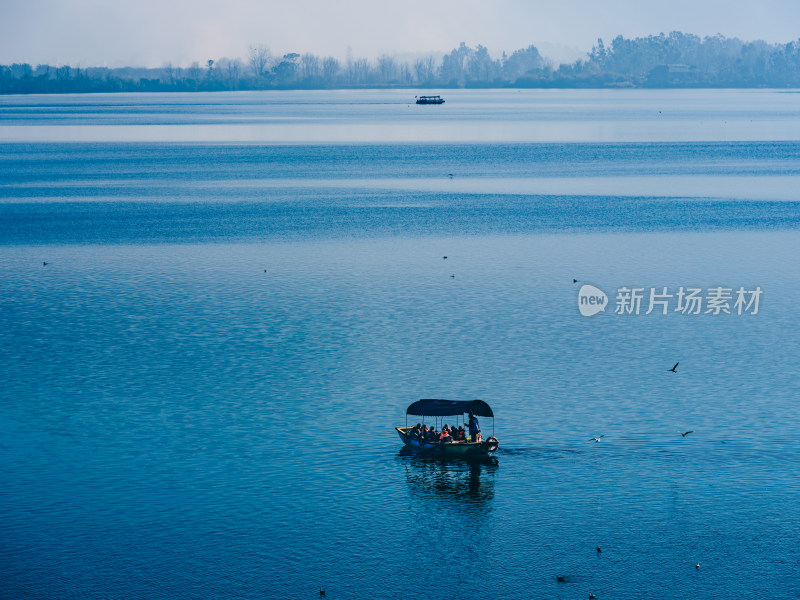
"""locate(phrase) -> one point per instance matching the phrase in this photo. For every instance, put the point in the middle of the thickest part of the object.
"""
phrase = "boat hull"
(463, 449)
(430, 100)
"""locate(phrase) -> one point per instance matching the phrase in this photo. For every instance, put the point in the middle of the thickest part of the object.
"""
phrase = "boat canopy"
(446, 408)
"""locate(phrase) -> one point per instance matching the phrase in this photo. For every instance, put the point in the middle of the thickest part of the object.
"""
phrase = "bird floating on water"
(44, 264)
(592, 596)
(675, 367)
(444, 257)
(685, 433)
(561, 578)
(596, 439)
(599, 550)
(697, 566)
(574, 280)
(322, 593)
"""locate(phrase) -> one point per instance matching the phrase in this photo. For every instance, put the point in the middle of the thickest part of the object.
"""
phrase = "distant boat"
(449, 408)
(429, 100)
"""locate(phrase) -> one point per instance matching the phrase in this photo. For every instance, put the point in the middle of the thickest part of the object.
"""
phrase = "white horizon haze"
(146, 33)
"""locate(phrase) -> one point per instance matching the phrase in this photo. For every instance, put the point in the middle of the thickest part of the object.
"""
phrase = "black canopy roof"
(445, 408)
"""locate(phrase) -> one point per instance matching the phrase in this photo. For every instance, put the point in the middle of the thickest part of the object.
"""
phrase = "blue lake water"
(243, 292)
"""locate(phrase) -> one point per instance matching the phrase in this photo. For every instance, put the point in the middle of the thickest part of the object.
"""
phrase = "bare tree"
(258, 57)
(359, 71)
(310, 67)
(330, 69)
(234, 71)
(425, 69)
(387, 68)
(195, 72)
(169, 73)
(404, 76)
(230, 71)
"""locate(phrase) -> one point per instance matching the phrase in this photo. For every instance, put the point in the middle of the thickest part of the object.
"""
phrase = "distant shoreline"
(154, 89)
(673, 61)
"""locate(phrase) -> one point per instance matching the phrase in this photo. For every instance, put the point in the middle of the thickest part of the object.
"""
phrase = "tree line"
(673, 60)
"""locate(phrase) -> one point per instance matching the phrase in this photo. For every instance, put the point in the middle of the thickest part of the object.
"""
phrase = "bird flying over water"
(684, 434)
(675, 367)
(596, 439)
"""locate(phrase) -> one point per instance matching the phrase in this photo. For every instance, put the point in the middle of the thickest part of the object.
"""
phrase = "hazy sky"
(152, 32)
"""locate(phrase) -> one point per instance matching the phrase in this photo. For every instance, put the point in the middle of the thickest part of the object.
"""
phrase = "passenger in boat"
(431, 435)
(445, 437)
(474, 427)
(459, 435)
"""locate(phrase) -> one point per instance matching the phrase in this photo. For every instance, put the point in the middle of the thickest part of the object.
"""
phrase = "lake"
(244, 291)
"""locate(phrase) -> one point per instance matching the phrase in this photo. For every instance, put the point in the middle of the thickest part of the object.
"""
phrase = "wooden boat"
(429, 100)
(448, 408)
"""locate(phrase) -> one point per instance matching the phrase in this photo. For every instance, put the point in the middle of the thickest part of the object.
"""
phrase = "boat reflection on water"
(447, 480)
